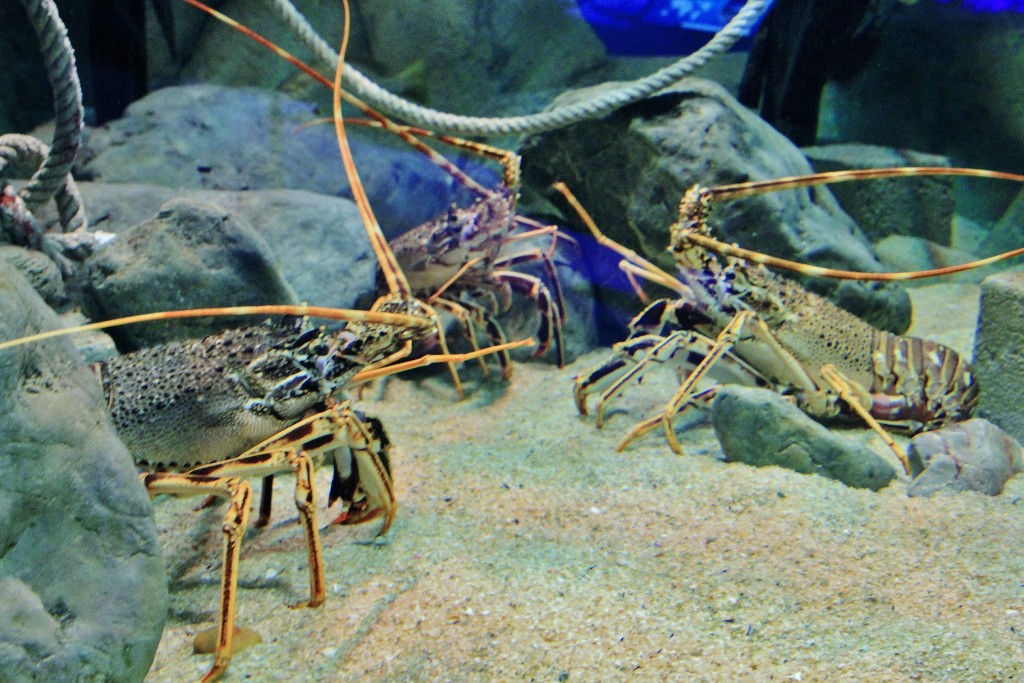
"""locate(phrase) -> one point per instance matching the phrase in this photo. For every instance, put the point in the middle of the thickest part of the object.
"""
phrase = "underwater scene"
(522, 340)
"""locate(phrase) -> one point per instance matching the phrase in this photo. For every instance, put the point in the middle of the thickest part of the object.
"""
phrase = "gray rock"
(967, 91)
(83, 594)
(94, 346)
(41, 272)
(758, 427)
(999, 351)
(968, 456)
(319, 242)
(190, 255)
(218, 138)
(481, 57)
(917, 207)
(631, 168)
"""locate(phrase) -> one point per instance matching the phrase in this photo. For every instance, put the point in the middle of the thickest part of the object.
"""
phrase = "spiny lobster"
(202, 416)
(737, 319)
(463, 254)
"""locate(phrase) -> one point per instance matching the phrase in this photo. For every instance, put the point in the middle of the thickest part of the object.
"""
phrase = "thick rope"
(52, 177)
(551, 119)
(24, 154)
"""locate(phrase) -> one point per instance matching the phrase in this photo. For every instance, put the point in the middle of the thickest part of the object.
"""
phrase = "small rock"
(758, 427)
(95, 346)
(974, 455)
(190, 255)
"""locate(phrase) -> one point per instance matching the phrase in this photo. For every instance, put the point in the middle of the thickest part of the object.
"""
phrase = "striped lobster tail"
(921, 380)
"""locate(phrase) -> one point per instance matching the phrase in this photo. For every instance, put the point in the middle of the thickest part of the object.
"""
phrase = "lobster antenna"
(748, 189)
(738, 190)
(379, 317)
(638, 265)
(406, 133)
(397, 284)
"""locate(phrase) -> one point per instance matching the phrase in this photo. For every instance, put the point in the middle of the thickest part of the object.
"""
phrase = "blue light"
(991, 5)
(650, 27)
(678, 27)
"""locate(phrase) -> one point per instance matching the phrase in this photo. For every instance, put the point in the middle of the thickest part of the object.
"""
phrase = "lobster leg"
(465, 318)
(743, 329)
(682, 349)
(546, 257)
(815, 398)
(239, 492)
(845, 387)
(551, 318)
(291, 449)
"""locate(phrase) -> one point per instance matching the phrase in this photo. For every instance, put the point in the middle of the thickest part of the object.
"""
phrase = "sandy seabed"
(527, 548)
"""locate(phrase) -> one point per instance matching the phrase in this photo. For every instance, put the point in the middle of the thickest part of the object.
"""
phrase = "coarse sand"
(527, 548)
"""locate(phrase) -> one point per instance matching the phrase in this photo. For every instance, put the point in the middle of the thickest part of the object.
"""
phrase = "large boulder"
(884, 207)
(218, 138)
(190, 255)
(319, 243)
(83, 594)
(928, 89)
(631, 168)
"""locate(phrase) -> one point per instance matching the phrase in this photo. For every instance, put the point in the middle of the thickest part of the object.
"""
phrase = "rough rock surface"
(759, 427)
(631, 168)
(999, 351)
(83, 595)
(318, 241)
(469, 56)
(39, 269)
(974, 455)
(219, 138)
(190, 255)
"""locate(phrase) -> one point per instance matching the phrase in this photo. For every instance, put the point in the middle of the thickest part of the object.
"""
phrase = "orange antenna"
(381, 317)
(748, 189)
(397, 284)
(633, 263)
(406, 133)
(739, 190)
